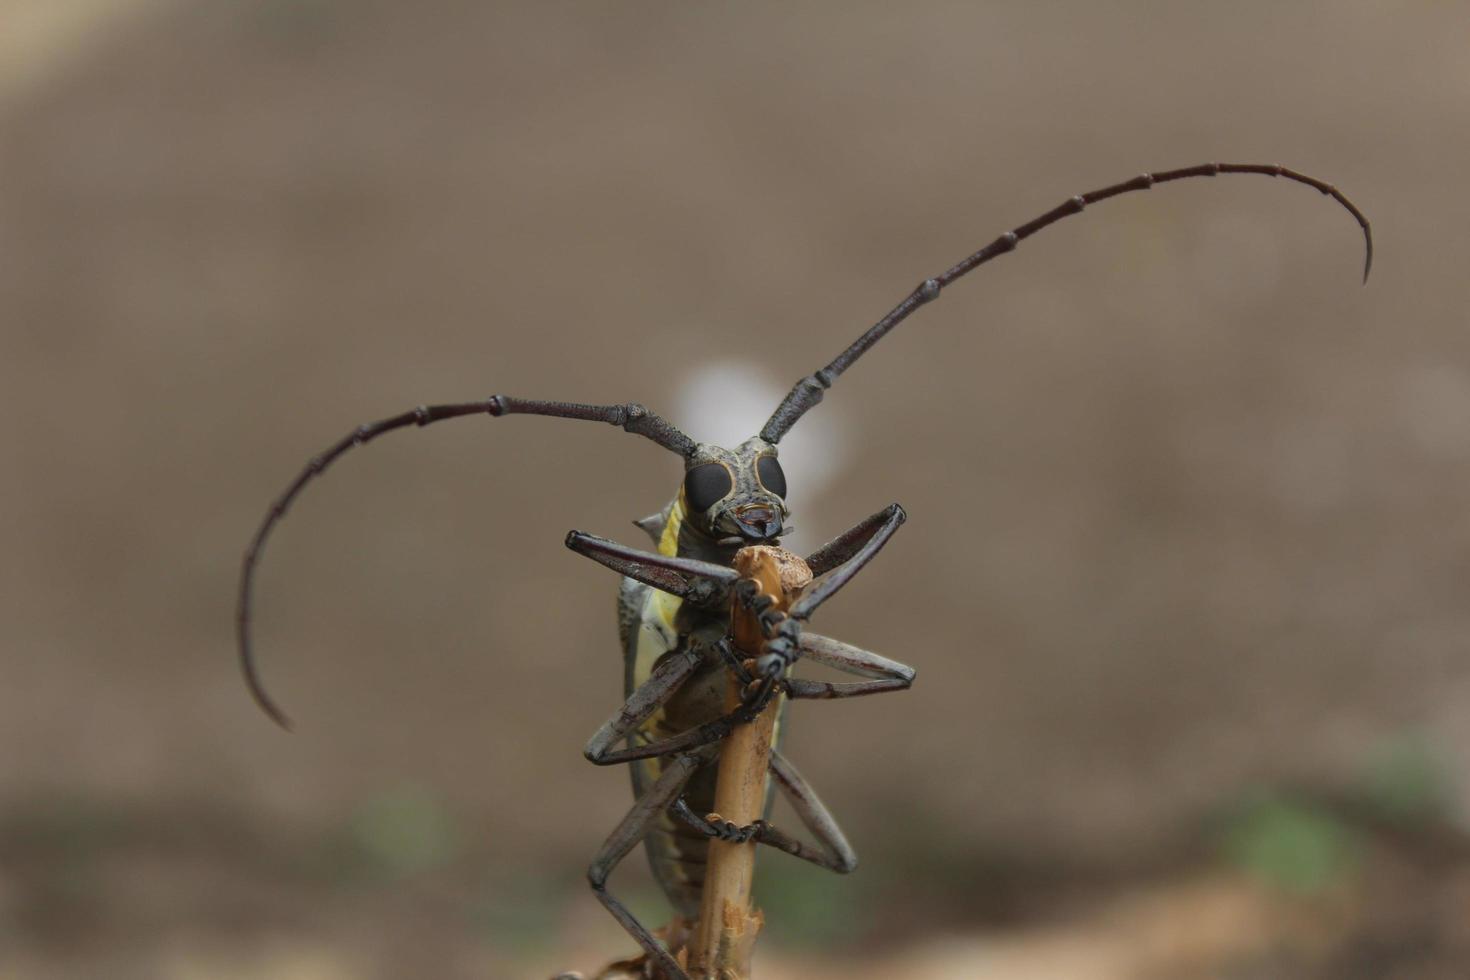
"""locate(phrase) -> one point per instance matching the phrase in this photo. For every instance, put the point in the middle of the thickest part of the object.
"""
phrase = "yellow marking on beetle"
(656, 633)
(668, 542)
(656, 637)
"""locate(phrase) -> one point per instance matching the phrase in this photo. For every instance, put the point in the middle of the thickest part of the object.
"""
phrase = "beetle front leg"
(843, 557)
(847, 544)
(702, 583)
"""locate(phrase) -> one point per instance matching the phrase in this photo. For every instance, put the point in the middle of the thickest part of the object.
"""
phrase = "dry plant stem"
(728, 925)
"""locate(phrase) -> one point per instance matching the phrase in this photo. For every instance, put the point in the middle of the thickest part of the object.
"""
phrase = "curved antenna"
(631, 417)
(808, 391)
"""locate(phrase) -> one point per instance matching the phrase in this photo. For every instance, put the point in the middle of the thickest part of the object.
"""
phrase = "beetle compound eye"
(771, 476)
(707, 484)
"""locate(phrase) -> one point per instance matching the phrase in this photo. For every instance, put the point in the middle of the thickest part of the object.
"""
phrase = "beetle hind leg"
(832, 852)
(634, 826)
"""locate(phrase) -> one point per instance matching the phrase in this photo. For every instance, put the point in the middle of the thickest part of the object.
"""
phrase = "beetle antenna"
(808, 391)
(632, 417)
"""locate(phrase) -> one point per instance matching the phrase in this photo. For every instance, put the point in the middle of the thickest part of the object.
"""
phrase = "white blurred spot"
(43, 38)
(727, 402)
(1434, 403)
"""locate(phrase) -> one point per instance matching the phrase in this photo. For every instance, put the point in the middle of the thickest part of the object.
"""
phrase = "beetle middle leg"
(660, 686)
(754, 701)
(666, 679)
(884, 674)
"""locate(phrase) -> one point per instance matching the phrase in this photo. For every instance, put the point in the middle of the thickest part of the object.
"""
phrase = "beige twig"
(728, 924)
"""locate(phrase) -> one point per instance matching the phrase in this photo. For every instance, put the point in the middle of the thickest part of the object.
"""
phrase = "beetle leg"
(753, 702)
(846, 544)
(735, 664)
(659, 687)
(832, 852)
(632, 829)
(801, 689)
(845, 556)
(888, 675)
(780, 636)
(701, 582)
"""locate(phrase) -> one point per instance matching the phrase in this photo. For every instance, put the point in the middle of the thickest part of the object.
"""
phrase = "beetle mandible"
(674, 602)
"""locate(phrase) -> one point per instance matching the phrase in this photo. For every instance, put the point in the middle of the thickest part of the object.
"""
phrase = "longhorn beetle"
(674, 604)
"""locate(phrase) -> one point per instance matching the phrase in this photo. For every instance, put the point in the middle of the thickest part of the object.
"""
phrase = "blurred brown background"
(1185, 568)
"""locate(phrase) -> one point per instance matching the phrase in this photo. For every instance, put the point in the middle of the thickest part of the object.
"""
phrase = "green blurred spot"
(805, 906)
(1405, 781)
(404, 832)
(1291, 844)
(520, 913)
(70, 828)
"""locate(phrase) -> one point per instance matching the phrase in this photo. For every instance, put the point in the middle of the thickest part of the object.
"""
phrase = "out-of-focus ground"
(1185, 572)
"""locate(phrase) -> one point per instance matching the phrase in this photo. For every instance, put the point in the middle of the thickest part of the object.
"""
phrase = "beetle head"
(736, 497)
